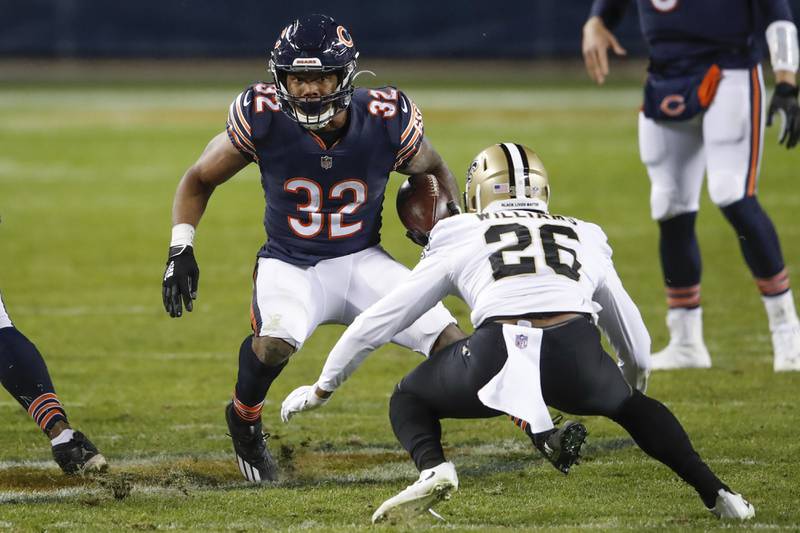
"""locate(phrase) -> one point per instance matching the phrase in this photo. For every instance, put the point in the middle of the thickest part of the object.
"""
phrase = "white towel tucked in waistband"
(516, 390)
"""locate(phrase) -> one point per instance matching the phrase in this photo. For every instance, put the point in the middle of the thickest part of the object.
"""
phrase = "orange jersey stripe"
(756, 132)
(253, 322)
(237, 130)
(409, 150)
(411, 121)
(240, 114)
(414, 124)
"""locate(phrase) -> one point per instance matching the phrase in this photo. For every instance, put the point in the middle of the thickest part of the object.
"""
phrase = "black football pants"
(577, 377)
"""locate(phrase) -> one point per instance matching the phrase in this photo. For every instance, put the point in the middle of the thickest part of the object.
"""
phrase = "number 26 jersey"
(324, 202)
(509, 263)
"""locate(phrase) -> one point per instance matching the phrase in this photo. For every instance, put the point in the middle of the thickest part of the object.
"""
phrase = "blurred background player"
(24, 375)
(325, 151)
(533, 280)
(704, 112)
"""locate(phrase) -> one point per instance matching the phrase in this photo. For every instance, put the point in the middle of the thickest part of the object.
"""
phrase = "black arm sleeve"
(611, 11)
(775, 10)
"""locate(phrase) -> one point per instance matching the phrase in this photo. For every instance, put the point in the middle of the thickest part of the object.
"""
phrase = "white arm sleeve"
(783, 49)
(428, 283)
(620, 319)
(623, 325)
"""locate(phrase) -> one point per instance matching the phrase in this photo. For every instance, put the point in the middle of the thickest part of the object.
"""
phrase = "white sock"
(780, 310)
(64, 436)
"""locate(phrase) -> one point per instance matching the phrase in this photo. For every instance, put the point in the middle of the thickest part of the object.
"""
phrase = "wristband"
(783, 48)
(182, 235)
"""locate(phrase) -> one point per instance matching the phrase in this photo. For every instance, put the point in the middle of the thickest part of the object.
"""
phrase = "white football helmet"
(508, 176)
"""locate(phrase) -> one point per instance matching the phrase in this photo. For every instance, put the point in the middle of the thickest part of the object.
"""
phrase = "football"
(421, 202)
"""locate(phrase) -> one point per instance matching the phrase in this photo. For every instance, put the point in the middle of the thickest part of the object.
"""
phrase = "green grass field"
(87, 175)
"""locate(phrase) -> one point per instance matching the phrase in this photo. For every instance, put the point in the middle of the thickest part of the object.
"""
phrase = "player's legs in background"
(579, 377)
(24, 375)
(284, 308)
(675, 160)
(733, 135)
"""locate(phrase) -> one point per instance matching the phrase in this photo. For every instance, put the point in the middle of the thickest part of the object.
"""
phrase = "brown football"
(421, 202)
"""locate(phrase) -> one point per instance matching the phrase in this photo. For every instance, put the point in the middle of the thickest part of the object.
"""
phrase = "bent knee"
(668, 202)
(272, 351)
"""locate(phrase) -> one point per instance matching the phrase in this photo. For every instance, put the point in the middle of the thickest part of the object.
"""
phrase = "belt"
(540, 321)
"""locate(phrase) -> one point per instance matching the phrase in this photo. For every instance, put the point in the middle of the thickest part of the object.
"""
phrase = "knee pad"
(272, 351)
(726, 188)
(667, 203)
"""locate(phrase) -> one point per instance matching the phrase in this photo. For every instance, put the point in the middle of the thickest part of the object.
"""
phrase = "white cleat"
(732, 506)
(686, 348)
(434, 485)
(786, 347)
(681, 356)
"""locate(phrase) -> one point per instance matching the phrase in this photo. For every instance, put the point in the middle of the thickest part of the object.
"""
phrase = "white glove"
(301, 399)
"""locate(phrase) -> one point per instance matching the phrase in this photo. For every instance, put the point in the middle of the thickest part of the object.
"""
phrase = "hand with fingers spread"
(784, 103)
(180, 280)
(597, 39)
(303, 399)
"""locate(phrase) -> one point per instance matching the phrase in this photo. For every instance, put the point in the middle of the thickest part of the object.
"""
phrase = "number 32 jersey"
(324, 202)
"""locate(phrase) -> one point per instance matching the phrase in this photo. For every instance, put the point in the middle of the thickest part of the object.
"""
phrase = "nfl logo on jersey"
(326, 162)
(521, 341)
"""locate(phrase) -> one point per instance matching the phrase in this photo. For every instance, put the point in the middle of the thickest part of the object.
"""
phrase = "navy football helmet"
(315, 43)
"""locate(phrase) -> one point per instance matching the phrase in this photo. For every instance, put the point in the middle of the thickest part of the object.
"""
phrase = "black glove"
(784, 102)
(180, 280)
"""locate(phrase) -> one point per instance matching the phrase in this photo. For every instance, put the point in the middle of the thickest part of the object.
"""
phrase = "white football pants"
(725, 142)
(289, 301)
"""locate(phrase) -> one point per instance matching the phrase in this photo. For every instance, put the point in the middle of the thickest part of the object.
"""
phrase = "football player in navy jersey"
(325, 151)
(24, 374)
(704, 112)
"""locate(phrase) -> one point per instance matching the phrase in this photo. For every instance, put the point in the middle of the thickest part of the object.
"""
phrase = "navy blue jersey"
(324, 202)
(687, 36)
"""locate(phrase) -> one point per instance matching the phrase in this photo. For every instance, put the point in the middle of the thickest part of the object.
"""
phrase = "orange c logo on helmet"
(673, 105)
(344, 36)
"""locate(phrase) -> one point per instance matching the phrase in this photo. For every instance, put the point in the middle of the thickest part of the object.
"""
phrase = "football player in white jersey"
(534, 280)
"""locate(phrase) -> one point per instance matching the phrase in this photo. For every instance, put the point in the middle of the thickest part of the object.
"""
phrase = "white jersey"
(503, 263)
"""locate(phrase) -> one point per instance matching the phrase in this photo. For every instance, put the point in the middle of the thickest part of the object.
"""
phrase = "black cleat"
(79, 456)
(562, 446)
(249, 443)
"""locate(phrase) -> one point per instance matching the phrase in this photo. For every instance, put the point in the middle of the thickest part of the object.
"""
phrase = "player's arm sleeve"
(428, 283)
(408, 130)
(620, 319)
(775, 10)
(611, 11)
(239, 125)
